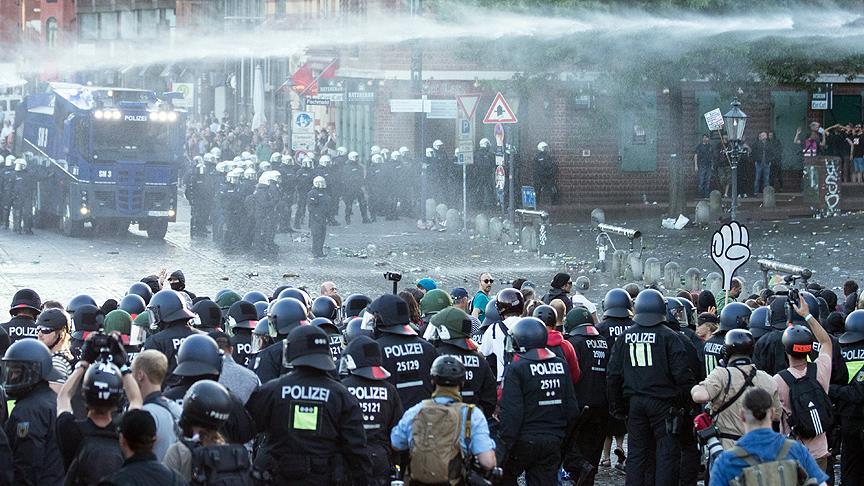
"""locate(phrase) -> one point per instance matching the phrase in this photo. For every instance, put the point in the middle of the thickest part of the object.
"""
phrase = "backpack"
(811, 409)
(437, 456)
(780, 471)
(98, 456)
(219, 465)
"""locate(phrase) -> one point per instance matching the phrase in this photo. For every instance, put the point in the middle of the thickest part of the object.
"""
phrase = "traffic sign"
(468, 104)
(499, 112)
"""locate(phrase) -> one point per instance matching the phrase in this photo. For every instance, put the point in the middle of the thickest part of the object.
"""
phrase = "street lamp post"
(735, 120)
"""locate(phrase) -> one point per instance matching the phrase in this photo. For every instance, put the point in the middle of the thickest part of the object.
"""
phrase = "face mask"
(177, 286)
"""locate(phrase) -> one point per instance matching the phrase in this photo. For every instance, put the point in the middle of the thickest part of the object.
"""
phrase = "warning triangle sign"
(499, 111)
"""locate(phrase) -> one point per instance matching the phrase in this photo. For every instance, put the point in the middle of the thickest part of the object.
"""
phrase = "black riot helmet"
(738, 342)
(278, 290)
(354, 329)
(27, 363)
(362, 357)
(166, 307)
(199, 355)
(308, 346)
(491, 316)
(579, 322)
(78, 301)
(254, 296)
(734, 315)
(529, 336)
(298, 294)
(391, 315)
(797, 341)
(510, 302)
(617, 303)
(133, 304)
(854, 328)
(760, 322)
(87, 318)
(25, 299)
(650, 308)
(547, 314)
(103, 385)
(286, 314)
(325, 325)
(261, 309)
(206, 404)
(324, 306)
(354, 304)
(242, 315)
(689, 311)
(676, 313)
(793, 316)
(141, 290)
(209, 315)
(448, 371)
(261, 337)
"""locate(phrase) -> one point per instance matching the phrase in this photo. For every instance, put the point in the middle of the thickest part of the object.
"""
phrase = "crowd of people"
(432, 386)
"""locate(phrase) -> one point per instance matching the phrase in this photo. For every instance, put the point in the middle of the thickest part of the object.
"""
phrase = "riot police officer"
(303, 183)
(168, 313)
(198, 186)
(26, 306)
(7, 185)
(199, 358)
(617, 315)
(208, 316)
(319, 203)
(289, 189)
(545, 171)
(30, 428)
(538, 407)
(260, 206)
(734, 315)
(313, 425)
(484, 175)
(284, 315)
(769, 355)
(408, 355)
(592, 351)
(354, 304)
(242, 319)
(23, 198)
(325, 170)
(849, 398)
(353, 188)
(649, 373)
(452, 337)
(367, 380)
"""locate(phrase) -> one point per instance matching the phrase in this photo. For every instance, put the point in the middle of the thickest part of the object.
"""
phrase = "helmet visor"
(137, 335)
(259, 342)
(680, 315)
(19, 375)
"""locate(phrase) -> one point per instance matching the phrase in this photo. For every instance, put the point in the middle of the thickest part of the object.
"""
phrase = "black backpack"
(98, 456)
(811, 409)
(222, 465)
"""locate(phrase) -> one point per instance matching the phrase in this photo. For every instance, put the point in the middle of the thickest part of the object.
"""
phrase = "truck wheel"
(69, 226)
(157, 228)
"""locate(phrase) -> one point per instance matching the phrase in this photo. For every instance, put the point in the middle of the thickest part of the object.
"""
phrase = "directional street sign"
(499, 112)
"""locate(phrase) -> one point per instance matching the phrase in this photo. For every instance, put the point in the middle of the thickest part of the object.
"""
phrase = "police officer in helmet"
(208, 316)
(199, 358)
(452, 337)
(26, 370)
(617, 315)
(242, 319)
(734, 315)
(538, 407)
(284, 316)
(312, 424)
(849, 399)
(367, 380)
(407, 354)
(592, 351)
(648, 376)
(26, 306)
(169, 314)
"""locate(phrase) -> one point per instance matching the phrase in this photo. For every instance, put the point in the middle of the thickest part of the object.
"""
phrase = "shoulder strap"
(468, 423)
(748, 381)
(811, 371)
(784, 449)
(745, 456)
(787, 377)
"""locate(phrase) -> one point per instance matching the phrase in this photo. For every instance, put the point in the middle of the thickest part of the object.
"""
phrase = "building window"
(109, 25)
(51, 32)
(147, 23)
(128, 24)
(88, 26)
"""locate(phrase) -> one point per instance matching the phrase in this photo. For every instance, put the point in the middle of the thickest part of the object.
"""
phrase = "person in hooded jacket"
(561, 286)
(452, 337)
(177, 281)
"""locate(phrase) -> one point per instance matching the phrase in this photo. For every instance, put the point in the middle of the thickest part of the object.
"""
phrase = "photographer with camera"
(722, 390)
(90, 447)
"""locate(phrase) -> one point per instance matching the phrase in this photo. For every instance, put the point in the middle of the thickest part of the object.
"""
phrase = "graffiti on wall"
(832, 186)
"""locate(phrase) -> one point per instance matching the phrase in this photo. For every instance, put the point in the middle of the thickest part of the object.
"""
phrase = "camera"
(794, 298)
(393, 276)
(708, 438)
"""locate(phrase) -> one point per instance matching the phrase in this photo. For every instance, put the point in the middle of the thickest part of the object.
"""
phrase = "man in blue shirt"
(448, 374)
(761, 442)
(481, 298)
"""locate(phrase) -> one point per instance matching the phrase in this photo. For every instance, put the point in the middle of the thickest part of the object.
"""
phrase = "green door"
(789, 114)
(705, 102)
(637, 137)
(845, 109)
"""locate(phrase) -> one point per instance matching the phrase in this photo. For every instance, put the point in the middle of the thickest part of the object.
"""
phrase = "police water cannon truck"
(103, 157)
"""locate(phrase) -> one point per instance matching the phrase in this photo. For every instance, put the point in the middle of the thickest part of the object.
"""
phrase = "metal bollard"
(769, 198)
(693, 280)
(481, 225)
(528, 238)
(454, 220)
(495, 228)
(715, 202)
(635, 265)
(703, 212)
(508, 233)
(441, 212)
(714, 282)
(653, 271)
(598, 216)
(619, 263)
(430, 209)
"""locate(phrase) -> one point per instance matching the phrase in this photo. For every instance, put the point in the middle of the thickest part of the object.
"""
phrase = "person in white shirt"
(510, 304)
(581, 285)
